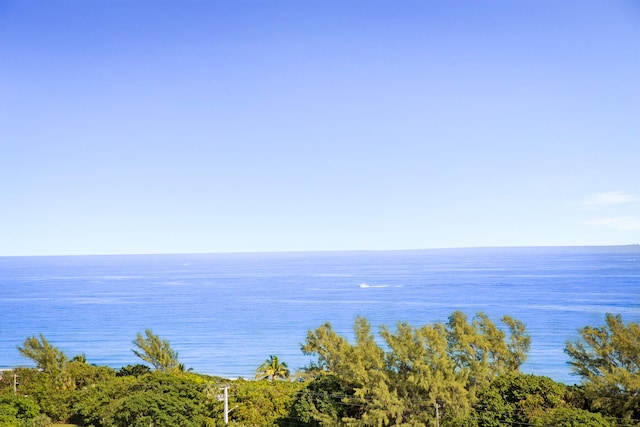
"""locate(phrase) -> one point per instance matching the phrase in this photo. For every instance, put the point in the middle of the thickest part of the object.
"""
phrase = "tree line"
(464, 372)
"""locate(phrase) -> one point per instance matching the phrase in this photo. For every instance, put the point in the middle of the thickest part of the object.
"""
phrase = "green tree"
(133, 370)
(154, 408)
(17, 410)
(260, 403)
(157, 399)
(421, 374)
(608, 360)
(160, 400)
(50, 391)
(80, 358)
(79, 374)
(47, 357)
(156, 351)
(520, 399)
(273, 369)
(515, 399)
(96, 406)
(570, 417)
(321, 402)
(481, 351)
(519, 343)
(358, 368)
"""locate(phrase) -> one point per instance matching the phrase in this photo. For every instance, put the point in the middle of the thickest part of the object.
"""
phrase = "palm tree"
(272, 369)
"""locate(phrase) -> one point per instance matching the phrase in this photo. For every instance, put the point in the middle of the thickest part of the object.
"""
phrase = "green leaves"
(606, 349)
(17, 410)
(156, 351)
(154, 399)
(571, 417)
(519, 399)
(401, 380)
(272, 369)
(321, 404)
(262, 403)
(608, 360)
(516, 398)
(329, 347)
(459, 373)
(47, 357)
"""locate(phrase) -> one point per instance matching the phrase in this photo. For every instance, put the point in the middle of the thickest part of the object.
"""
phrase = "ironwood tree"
(156, 351)
(608, 360)
(48, 358)
(418, 375)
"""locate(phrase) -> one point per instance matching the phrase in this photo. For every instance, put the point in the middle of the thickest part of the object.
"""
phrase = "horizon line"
(311, 251)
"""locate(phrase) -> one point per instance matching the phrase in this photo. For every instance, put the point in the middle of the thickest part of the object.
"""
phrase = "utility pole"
(225, 398)
(226, 404)
(15, 383)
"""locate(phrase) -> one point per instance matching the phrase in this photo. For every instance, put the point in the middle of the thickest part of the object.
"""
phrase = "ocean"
(226, 313)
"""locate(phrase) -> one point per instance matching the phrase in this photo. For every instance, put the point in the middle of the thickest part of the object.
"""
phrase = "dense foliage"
(459, 373)
(419, 375)
(608, 360)
(519, 399)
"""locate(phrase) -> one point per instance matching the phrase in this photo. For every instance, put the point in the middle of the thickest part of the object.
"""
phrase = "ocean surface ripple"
(226, 313)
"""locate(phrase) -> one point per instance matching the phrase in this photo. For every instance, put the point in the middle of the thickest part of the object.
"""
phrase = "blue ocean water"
(226, 313)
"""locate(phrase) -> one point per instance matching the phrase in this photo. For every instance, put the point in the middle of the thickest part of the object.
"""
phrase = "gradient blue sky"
(223, 126)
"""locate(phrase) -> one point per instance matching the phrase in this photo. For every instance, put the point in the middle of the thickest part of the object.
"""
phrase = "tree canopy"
(608, 360)
(463, 372)
(273, 369)
(47, 357)
(419, 374)
(156, 351)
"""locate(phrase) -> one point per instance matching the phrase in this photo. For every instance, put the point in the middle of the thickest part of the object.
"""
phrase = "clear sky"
(228, 126)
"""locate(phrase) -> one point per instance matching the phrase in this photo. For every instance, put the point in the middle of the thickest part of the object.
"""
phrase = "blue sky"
(231, 126)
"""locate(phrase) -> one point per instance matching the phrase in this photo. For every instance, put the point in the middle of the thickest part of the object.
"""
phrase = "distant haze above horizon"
(355, 252)
(283, 126)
